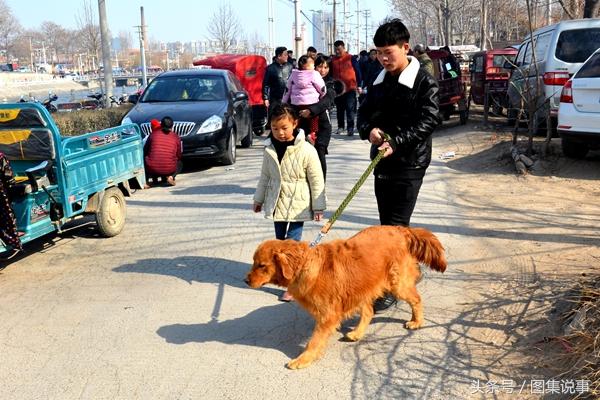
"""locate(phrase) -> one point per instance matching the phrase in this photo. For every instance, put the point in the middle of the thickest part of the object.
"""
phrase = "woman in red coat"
(162, 152)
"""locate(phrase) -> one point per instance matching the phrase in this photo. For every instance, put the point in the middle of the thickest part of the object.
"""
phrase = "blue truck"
(57, 179)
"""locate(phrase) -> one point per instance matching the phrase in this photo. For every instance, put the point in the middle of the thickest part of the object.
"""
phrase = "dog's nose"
(247, 281)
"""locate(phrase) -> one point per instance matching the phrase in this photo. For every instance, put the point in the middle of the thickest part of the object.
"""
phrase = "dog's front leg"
(315, 347)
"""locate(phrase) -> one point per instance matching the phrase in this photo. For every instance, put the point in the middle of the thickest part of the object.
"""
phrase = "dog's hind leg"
(316, 346)
(411, 296)
(366, 314)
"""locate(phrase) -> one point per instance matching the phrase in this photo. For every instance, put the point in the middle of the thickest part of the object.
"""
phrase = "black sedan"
(209, 107)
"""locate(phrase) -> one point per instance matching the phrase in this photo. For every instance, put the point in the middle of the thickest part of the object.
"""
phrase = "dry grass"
(580, 342)
(84, 121)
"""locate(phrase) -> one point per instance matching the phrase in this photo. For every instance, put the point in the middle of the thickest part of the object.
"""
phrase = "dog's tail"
(426, 248)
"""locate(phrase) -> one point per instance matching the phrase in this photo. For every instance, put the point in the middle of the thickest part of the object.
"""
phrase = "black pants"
(396, 199)
(346, 107)
(322, 151)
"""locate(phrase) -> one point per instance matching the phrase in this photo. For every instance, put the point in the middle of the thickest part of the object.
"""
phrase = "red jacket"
(162, 150)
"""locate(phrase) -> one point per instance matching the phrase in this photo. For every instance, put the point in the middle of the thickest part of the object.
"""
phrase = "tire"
(574, 150)
(247, 141)
(230, 152)
(110, 216)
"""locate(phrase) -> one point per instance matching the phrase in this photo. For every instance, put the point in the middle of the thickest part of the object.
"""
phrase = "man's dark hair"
(290, 52)
(166, 124)
(311, 49)
(279, 50)
(363, 53)
(339, 43)
(390, 33)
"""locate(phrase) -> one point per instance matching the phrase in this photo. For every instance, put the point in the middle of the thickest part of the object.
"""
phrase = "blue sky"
(186, 20)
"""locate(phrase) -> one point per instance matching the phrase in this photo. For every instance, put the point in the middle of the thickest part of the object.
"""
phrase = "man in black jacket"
(403, 103)
(275, 80)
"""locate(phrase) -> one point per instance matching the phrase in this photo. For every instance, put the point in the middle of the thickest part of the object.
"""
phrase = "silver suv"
(559, 50)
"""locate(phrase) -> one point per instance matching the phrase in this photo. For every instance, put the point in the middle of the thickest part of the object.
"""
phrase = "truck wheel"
(229, 157)
(110, 216)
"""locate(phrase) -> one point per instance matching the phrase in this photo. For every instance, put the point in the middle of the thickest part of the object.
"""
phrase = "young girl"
(291, 188)
(305, 87)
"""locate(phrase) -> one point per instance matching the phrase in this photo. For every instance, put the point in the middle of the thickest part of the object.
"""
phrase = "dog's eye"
(262, 266)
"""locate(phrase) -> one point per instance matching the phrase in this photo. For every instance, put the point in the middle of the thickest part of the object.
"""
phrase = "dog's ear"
(285, 265)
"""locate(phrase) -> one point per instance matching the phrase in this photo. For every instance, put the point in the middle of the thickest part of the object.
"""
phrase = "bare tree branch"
(224, 27)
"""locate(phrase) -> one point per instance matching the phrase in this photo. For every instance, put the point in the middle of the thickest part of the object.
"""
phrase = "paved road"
(161, 310)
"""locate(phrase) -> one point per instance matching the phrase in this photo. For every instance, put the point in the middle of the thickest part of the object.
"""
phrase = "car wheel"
(247, 141)
(110, 216)
(573, 149)
(230, 153)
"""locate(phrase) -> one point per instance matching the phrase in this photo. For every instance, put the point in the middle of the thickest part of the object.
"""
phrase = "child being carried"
(305, 87)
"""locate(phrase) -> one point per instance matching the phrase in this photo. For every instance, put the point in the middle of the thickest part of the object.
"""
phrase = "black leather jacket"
(275, 81)
(409, 116)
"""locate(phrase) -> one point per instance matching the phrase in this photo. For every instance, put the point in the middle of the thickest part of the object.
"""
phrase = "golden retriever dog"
(338, 279)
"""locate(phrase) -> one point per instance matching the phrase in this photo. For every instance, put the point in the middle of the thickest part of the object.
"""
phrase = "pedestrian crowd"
(388, 95)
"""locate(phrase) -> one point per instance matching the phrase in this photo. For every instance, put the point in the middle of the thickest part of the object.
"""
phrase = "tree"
(55, 38)
(89, 30)
(224, 27)
(9, 29)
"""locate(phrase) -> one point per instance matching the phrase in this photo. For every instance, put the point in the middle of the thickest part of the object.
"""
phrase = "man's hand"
(267, 103)
(376, 136)
(318, 215)
(257, 207)
(304, 113)
(388, 149)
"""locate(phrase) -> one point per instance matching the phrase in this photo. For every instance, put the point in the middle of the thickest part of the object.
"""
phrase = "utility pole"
(367, 14)
(106, 56)
(357, 28)
(30, 56)
(548, 12)
(271, 22)
(345, 16)
(297, 35)
(334, 30)
(142, 34)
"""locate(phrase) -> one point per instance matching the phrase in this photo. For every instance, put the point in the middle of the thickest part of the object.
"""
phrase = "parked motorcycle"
(48, 103)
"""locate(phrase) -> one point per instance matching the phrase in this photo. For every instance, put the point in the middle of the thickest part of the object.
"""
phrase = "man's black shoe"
(383, 303)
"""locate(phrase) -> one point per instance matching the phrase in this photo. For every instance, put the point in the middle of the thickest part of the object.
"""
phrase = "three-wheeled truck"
(56, 178)
(250, 70)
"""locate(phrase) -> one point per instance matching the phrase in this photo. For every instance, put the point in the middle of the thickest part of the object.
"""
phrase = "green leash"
(325, 229)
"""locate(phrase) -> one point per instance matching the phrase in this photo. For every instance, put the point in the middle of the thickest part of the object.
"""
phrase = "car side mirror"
(133, 98)
(508, 65)
(240, 96)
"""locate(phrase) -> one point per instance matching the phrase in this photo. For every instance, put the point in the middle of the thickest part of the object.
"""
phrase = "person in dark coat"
(402, 103)
(321, 109)
(275, 80)
(162, 153)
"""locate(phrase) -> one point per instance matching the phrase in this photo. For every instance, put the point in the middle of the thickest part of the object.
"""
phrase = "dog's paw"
(300, 362)
(353, 336)
(413, 325)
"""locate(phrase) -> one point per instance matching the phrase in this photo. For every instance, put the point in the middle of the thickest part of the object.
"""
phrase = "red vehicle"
(453, 90)
(250, 70)
(489, 78)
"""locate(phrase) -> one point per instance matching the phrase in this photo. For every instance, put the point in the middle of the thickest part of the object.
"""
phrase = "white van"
(559, 50)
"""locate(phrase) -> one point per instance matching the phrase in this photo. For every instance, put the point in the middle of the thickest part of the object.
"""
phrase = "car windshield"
(590, 69)
(185, 88)
(575, 46)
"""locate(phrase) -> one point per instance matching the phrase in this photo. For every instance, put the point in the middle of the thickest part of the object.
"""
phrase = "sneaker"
(341, 131)
(350, 132)
(383, 303)
(171, 181)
